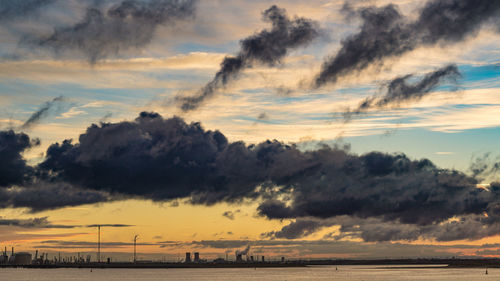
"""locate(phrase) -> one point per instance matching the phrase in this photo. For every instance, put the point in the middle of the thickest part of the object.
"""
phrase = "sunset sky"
(305, 129)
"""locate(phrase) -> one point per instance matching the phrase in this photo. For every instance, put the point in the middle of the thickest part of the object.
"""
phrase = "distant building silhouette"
(22, 258)
(4, 258)
(196, 257)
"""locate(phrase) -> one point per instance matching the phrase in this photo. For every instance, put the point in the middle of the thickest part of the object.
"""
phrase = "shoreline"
(157, 265)
(389, 263)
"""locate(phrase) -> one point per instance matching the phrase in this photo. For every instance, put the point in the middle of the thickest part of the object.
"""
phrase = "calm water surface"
(262, 274)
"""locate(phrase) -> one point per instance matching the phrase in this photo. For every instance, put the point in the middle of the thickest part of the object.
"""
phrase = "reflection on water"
(262, 274)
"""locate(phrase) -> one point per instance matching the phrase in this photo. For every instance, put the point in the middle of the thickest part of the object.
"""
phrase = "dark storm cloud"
(298, 229)
(61, 244)
(375, 229)
(130, 24)
(469, 227)
(374, 196)
(41, 222)
(47, 196)
(42, 112)
(109, 225)
(400, 90)
(21, 187)
(266, 47)
(375, 184)
(165, 159)
(13, 167)
(156, 158)
(386, 33)
(18, 9)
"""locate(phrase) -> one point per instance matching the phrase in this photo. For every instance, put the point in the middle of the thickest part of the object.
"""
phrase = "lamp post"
(135, 243)
(98, 243)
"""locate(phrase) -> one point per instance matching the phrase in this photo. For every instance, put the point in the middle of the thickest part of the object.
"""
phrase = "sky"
(326, 129)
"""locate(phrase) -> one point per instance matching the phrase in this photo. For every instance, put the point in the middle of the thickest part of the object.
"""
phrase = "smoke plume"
(266, 47)
(130, 24)
(243, 252)
(386, 33)
(42, 112)
(400, 90)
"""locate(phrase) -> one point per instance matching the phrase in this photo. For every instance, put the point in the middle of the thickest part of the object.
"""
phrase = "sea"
(309, 273)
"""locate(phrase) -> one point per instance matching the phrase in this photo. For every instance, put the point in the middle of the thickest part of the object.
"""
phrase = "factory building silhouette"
(21, 258)
(241, 257)
(26, 259)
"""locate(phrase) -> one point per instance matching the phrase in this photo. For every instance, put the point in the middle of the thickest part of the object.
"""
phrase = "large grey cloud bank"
(389, 195)
(157, 158)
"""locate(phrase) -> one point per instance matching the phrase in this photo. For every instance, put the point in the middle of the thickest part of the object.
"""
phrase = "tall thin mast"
(98, 243)
(135, 242)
